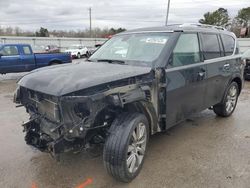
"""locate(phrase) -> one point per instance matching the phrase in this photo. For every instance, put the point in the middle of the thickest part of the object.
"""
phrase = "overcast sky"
(73, 14)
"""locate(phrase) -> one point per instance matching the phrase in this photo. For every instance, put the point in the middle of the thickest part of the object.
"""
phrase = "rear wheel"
(125, 148)
(227, 106)
(78, 55)
(54, 63)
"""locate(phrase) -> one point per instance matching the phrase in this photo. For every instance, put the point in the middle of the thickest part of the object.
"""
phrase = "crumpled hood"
(63, 79)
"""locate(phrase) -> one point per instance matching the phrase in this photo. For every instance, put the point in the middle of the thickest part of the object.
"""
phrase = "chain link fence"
(41, 42)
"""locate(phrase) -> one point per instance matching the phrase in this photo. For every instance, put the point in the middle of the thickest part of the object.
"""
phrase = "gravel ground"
(205, 151)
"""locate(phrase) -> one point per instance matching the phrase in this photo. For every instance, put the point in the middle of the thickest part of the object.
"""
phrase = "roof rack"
(201, 25)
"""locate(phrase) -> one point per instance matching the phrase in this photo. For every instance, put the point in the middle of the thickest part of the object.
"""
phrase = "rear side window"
(210, 46)
(26, 50)
(186, 51)
(228, 43)
(9, 51)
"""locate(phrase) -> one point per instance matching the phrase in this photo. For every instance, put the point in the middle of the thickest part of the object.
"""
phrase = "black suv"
(246, 58)
(138, 83)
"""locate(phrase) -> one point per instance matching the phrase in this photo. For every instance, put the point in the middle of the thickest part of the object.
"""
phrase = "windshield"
(136, 49)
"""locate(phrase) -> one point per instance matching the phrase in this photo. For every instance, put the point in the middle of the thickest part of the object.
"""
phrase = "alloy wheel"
(231, 99)
(136, 148)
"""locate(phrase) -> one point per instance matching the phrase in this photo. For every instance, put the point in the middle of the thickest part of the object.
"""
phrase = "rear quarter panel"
(45, 59)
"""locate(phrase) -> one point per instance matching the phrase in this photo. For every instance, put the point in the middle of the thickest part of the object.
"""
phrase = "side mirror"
(98, 45)
(1, 55)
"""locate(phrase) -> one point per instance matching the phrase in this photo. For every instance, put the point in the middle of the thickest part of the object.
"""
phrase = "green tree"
(243, 17)
(1, 31)
(9, 31)
(17, 31)
(43, 32)
(113, 31)
(219, 17)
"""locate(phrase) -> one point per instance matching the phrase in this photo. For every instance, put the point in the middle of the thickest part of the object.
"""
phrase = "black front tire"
(221, 108)
(118, 144)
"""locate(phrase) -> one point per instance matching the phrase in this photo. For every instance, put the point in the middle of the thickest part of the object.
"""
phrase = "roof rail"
(202, 25)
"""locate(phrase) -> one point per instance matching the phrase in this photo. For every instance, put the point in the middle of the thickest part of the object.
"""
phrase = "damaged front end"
(61, 124)
(81, 119)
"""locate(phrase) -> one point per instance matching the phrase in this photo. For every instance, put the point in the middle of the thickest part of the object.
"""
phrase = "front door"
(185, 79)
(10, 59)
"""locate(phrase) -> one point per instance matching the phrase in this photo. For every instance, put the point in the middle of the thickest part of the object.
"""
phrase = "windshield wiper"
(111, 61)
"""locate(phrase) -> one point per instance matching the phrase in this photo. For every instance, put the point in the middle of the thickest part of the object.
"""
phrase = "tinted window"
(211, 47)
(9, 50)
(186, 51)
(228, 43)
(26, 50)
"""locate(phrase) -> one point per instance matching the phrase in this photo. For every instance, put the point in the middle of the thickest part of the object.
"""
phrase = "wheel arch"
(56, 61)
(148, 110)
(238, 80)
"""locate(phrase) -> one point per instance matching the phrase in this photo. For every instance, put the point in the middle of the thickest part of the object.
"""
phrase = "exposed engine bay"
(81, 119)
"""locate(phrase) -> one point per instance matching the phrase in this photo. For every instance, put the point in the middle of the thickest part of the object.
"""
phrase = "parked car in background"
(52, 49)
(138, 83)
(20, 58)
(93, 49)
(78, 51)
(246, 58)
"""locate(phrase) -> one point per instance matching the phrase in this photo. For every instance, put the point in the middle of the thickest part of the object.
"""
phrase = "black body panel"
(60, 80)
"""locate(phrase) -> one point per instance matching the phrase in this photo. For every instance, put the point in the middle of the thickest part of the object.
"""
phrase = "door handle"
(226, 66)
(201, 74)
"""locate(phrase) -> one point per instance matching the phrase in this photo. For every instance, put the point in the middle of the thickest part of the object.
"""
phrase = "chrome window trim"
(209, 61)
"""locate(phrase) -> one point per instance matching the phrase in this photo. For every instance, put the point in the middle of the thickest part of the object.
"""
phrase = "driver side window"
(9, 51)
(186, 51)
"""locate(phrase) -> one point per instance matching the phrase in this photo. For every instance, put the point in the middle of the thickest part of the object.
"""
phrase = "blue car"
(20, 58)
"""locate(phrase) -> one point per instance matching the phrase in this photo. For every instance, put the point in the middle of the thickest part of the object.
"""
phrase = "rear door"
(10, 59)
(219, 65)
(186, 75)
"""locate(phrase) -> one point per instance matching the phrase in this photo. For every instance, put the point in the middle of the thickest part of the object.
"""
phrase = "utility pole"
(167, 13)
(90, 23)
